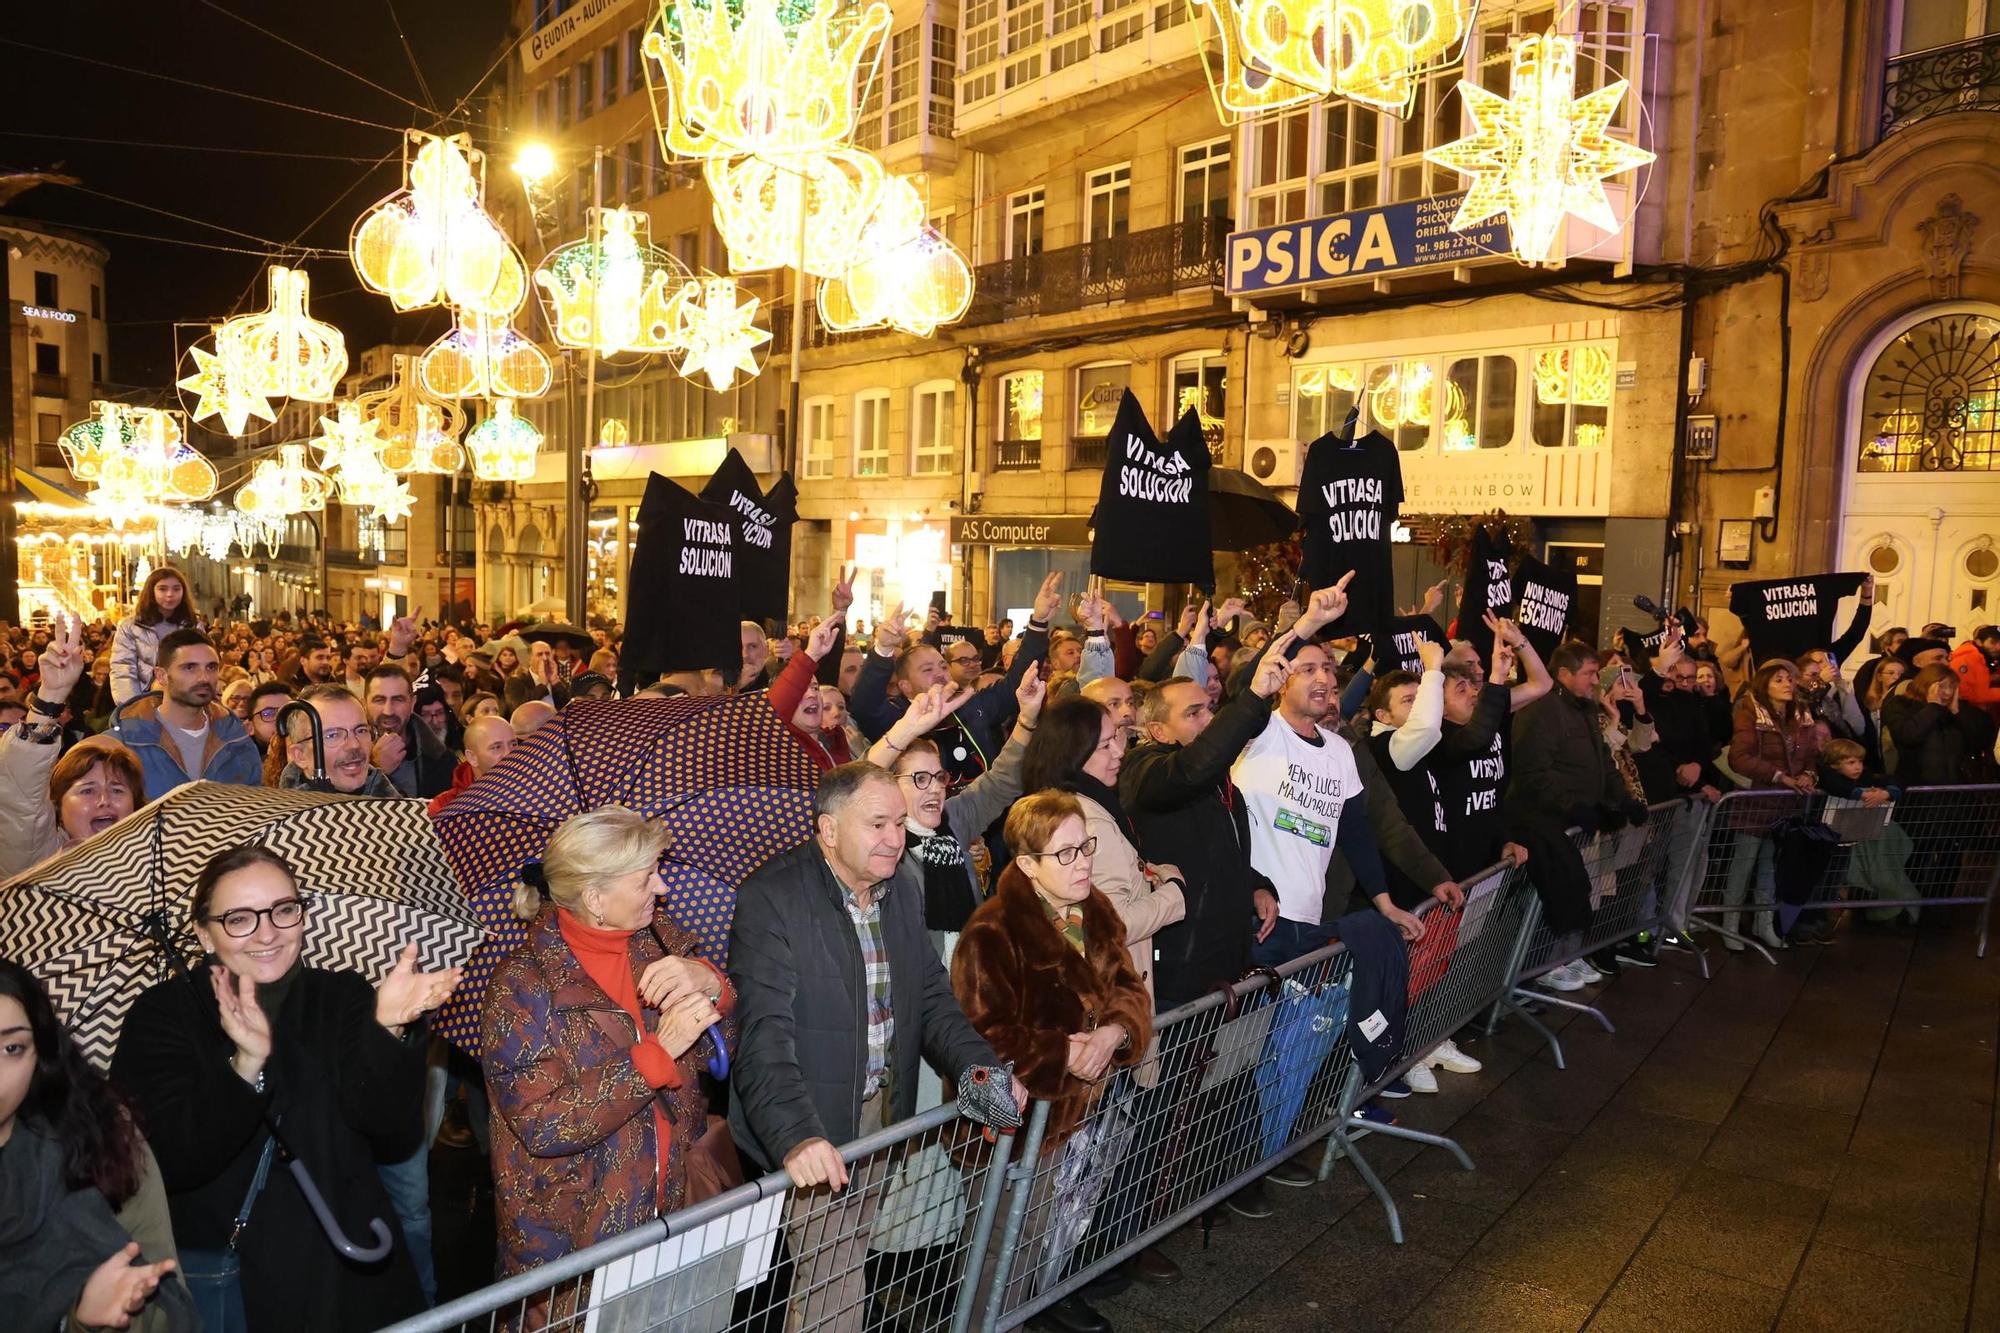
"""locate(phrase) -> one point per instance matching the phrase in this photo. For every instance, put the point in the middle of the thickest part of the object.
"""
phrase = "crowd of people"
(1026, 847)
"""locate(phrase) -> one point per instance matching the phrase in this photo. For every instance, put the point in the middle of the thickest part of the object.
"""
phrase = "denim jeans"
(409, 1186)
(1288, 940)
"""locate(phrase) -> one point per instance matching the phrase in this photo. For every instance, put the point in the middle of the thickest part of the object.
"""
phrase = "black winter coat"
(1936, 747)
(1561, 761)
(1187, 814)
(347, 1093)
(802, 1006)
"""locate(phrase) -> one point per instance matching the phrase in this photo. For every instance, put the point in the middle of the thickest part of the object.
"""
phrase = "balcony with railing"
(1023, 62)
(1088, 451)
(1964, 76)
(44, 385)
(1017, 455)
(1158, 261)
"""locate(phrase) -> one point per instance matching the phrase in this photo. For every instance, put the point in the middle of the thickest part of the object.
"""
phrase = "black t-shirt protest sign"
(1788, 617)
(1152, 509)
(1643, 646)
(1349, 497)
(683, 611)
(763, 535)
(1488, 587)
(1397, 649)
(1543, 599)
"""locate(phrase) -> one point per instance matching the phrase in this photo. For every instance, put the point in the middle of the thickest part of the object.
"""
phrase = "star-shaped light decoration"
(349, 440)
(393, 502)
(718, 335)
(1542, 154)
(219, 395)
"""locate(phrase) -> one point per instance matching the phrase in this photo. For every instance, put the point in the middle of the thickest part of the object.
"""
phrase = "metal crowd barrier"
(940, 1230)
(1935, 847)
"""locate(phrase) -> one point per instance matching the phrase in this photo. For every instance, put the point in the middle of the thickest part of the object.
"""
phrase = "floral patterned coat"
(575, 1149)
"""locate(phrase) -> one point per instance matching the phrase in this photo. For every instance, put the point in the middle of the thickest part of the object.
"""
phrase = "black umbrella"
(555, 631)
(1244, 513)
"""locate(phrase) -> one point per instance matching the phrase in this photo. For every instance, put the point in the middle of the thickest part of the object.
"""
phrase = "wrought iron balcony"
(1017, 455)
(1156, 262)
(1964, 76)
(1087, 451)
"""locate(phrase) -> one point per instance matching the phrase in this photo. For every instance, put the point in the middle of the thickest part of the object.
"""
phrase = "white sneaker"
(1562, 978)
(1449, 1058)
(1584, 972)
(1420, 1078)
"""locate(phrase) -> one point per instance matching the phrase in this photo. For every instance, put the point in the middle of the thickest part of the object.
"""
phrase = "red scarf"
(606, 958)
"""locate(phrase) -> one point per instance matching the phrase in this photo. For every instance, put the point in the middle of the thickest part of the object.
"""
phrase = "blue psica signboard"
(1364, 244)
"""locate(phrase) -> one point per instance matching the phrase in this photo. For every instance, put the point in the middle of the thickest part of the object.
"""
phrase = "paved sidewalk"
(1806, 1146)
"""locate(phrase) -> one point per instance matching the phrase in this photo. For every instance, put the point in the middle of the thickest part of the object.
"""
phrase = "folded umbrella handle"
(384, 1240)
(718, 1060)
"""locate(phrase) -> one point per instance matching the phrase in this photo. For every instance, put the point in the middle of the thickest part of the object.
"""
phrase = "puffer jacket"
(575, 1143)
(1762, 751)
(230, 755)
(1976, 678)
(135, 648)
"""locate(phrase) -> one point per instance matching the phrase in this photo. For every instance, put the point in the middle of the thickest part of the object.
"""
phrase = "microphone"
(1649, 606)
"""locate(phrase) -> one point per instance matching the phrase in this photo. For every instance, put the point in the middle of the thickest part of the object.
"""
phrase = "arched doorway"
(1922, 468)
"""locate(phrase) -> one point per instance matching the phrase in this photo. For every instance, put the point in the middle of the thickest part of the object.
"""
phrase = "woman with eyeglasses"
(1042, 973)
(253, 1035)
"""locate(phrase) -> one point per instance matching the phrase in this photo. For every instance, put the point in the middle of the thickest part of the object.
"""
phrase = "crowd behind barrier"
(970, 1232)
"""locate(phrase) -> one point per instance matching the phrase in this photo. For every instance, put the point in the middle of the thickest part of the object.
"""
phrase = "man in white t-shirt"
(1304, 797)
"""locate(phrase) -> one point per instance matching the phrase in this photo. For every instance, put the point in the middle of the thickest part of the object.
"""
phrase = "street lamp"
(534, 163)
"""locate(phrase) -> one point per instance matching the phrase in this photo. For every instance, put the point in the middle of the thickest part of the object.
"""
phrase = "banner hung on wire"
(763, 522)
(683, 609)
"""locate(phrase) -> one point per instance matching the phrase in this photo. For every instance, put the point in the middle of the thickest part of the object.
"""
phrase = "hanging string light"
(503, 447)
(432, 242)
(1542, 154)
(717, 334)
(282, 351)
(616, 294)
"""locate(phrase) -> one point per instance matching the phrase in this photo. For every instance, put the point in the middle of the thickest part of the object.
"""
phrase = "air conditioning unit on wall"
(1273, 462)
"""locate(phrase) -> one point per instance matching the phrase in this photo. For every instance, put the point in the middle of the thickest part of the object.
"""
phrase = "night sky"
(51, 105)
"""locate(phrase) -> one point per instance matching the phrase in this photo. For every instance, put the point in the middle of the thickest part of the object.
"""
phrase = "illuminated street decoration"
(503, 447)
(1541, 155)
(222, 393)
(282, 351)
(617, 294)
(432, 242)
(136, 454)
(1581, 375)
(285, 485)
(717, 334)
(1272, 54)
(904, 273)
(419, 430)
(613, 434)
(758, 204)
(347, 440)
(483, 358)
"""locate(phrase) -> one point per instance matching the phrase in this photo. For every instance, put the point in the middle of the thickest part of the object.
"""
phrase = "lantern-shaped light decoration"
(485, 358)
(282, 351)
(718, 334)
(432, 242)
(285, 485)
(1541, 155)
(419, 431)
(503, 447)
(223, 393)
(616, 294)
(904, 273)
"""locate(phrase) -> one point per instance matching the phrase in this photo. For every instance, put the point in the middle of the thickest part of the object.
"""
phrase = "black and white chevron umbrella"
(94, 922)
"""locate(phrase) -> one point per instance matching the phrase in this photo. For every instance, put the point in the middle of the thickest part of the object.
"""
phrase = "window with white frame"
(1124, 21)
(1021, 405)
(1024, 224)
(1025, 25)
(871, 433)
(982, 49)
(905, 79)
(1198, 381)
(933, 431)
(1928, 24)
(1108, 202)
(942, 76)
(1204, 182)
(817, 463)
(1525, 395)
(1069, 31)
(1099, 389)
(911, 93)
(1355, 156)
(635, 169)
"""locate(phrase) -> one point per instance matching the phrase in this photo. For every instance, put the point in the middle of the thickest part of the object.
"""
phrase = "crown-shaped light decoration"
(718, 334)
(419, 430)
(282, 351)
(758, 201)
(284, 485)
(747, 80)
(136, 453)
(432, 242)
(223, 393)
(484, 357)
(1541, 155)
(904, 273)
(503, 447)
(1272, 54)
(616, 294)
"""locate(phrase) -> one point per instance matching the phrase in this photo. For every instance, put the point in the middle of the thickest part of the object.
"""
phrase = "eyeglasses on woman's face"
(922, 778)
(1066, 856)
(241, 923)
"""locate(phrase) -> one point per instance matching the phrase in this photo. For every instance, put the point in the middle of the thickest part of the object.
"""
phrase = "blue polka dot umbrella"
(732, 785)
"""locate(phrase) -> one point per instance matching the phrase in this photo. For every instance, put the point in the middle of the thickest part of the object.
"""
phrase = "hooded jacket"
(230, 755)
(1976, 682)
